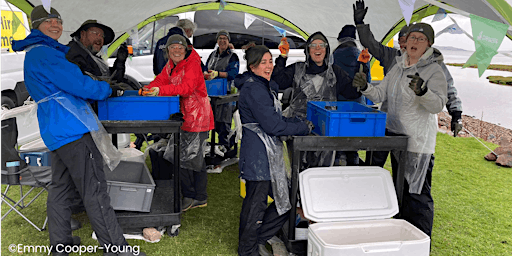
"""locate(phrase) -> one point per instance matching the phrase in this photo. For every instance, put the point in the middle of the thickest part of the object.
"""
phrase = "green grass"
(473, 210)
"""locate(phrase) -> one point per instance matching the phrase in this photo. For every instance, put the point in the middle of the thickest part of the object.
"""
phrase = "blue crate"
(131, 106)
(217, 87)
(350, 119)
(369, 102)
(37, 158)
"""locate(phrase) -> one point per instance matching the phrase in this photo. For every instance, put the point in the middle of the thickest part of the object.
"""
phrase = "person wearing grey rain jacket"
(387, 57)
(261, 153)
(415, 89)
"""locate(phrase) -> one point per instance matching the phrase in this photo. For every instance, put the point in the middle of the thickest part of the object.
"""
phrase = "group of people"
(62, 79)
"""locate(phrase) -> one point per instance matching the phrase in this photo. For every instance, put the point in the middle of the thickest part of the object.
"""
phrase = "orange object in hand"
(364, 57)
(284, 46)
(130, 49)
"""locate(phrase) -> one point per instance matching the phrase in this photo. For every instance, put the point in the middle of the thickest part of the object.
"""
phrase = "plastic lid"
(11, 164)
(336, 194)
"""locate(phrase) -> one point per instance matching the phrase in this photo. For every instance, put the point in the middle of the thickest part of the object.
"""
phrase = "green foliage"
(472, 198)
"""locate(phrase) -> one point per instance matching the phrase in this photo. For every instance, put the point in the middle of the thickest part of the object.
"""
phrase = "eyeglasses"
(225, 38)
(321, 45)
(51, 20)
(174, 47)
(420, 39)
(96, 33)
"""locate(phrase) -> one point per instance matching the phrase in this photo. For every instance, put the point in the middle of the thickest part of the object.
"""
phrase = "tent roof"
(328, 16)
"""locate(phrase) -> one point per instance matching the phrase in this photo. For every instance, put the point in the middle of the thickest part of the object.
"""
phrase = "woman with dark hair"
(261, 153)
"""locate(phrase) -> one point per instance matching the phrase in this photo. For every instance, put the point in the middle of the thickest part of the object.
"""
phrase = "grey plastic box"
(130, 186)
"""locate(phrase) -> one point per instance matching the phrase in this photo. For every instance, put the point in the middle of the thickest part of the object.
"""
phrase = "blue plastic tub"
(346, 119)
(217, 87)
(37, 158)
(369, 102)
(131, 106)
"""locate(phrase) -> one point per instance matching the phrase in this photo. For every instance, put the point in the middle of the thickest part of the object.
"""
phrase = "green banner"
(16, 22)
(488, 35)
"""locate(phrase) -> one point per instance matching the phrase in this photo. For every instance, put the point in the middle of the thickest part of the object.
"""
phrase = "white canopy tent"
(328, 16)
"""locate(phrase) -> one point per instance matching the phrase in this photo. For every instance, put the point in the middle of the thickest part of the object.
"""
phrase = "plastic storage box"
(369, 102)
(37, 158)
(351, 207)
(217, 87)
(130, 106)
(346, 119)
(130, 186)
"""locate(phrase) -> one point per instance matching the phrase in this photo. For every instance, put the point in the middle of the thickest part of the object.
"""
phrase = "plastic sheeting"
(192, 146)
(88, 118)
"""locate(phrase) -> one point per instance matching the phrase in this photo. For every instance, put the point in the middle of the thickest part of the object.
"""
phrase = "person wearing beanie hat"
(86, 42)
(264, 127)
(182, 75)
(62, 92)
(425, 29)
(314, 79)
(346, 57)
(184, 27)
(223, 63)
(415, 90)
(387, 58)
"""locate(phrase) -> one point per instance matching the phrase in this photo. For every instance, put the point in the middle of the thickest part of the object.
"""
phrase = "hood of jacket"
(37, 37)
(431, 55)
(327, 50)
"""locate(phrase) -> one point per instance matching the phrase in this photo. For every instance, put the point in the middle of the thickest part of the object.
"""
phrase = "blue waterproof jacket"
(345, 56)
(256, 105)
(47, 72)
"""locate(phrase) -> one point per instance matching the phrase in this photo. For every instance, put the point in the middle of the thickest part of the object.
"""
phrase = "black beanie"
(424, 28)
(347, 31)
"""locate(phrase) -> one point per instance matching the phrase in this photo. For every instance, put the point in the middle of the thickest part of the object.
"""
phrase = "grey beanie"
(39, 14)
(403, 31)
(424, 28)
(318, 36)
(175, 39)
(222, 33)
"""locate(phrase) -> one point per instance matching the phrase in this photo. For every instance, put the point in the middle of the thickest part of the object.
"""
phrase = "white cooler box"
(352, 207)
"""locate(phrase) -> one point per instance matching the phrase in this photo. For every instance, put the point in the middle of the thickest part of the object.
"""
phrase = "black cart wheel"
(173, 234)
(7, 103)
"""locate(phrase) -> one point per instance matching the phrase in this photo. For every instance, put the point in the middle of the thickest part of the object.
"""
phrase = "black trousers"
(223, 129)
(258, 223)
(79, 164)
(418, 209)
(193, 183)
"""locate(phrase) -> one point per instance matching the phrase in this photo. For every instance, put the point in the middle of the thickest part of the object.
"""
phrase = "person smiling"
(261, 154)
(415, 89)
(182, 75)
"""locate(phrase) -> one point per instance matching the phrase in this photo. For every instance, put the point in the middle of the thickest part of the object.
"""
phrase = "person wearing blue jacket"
(65, 119)
(261, 155)
(223, 63)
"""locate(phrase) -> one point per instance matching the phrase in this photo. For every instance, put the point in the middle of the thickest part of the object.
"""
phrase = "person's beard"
(91, 49)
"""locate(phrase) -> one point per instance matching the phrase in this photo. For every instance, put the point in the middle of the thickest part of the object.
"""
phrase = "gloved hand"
(456, 123)
(122, 53)
(359, 81)
(359, 12)
(310, 124)
(116, 91)
(153, 91)
(417, 84)
(177, 117)
(123, 86)
(284, 138)
(284, 47)
(213, 74)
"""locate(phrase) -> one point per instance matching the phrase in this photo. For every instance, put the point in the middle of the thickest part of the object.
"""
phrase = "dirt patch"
(486, 131)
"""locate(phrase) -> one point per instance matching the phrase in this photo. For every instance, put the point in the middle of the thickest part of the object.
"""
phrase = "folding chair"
(32, 176)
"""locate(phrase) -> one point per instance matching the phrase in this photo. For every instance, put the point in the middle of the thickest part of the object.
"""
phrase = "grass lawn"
(473, 210)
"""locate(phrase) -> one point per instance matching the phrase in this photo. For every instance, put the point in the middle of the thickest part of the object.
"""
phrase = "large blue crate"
(217, 87)
(131, 106)
(37, 158)
(350, 119)
(369, 102)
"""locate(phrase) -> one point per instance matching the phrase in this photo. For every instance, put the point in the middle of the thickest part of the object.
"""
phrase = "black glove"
(456, 123)
(359, 12)
(177, 117)
(310, 124)
(285, 138)
(417, 84)
(116, 90)
(122, 53)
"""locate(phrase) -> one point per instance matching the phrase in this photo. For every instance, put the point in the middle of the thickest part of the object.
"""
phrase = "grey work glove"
(310, 124)
(417, 84)
(284, 138)
(116, 91)
(359, 81)
(359, 12)
(456, 123)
